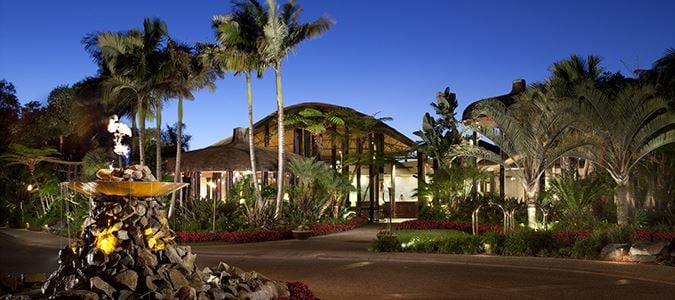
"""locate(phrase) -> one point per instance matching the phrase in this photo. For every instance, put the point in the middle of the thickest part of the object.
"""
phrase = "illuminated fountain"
(127, 250)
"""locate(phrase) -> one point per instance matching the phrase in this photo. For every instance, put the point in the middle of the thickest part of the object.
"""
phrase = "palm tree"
(30, 158)
(566, 75)
(238, 35)
(183, 71)
(282, 33)
(316, 123)
(630, 125)
(533, 132)
(130, 63)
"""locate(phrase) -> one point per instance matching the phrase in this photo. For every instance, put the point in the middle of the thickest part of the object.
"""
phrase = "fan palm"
(533, 132)
(238, 35)
(282, 33)
(438, 135)
(630, 125)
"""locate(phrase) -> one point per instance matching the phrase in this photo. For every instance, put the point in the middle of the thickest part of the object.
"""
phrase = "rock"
(150, 285)
(173, 256)
(76, 294)
(123, 235)
(189, 261)
(32, 278)
(177, 279)
(8, 283)
(71, 282)
(614, 251)
(128, 278)
(186, 293)
(182, 250)
(649, 248)
(127, 295)
(218, 293)
(202, 296)
(98, 285)
(643, 258)
(145, 258)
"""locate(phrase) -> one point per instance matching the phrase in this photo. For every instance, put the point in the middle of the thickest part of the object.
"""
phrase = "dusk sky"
(386, 57)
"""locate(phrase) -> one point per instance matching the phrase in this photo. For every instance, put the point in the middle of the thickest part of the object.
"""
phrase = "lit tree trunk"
(141, 133)
(179, 146)
(134, 136)
(531, 190)
(251, 145)
(280, 133)
(622, 202)
(158, 140)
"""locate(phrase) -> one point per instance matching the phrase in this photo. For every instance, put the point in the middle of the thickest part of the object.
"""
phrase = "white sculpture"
(119, 130)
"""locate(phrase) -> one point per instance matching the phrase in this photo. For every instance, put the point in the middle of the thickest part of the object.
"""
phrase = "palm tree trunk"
(179, 147)
(280, 133)
(141, 133)
(251, 145)
(622, 202)
(134, 136)
(158, 141)
(531, 191)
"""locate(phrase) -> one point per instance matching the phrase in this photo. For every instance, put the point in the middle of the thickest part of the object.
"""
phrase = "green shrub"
(493, 242)
(433, 213)
(528, 242)
(589, 247)
(618, 234)
(386, 244)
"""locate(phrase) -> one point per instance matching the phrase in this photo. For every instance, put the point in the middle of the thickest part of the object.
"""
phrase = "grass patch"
(404, 236)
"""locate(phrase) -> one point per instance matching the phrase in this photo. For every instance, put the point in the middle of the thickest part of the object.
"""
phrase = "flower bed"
(327, 228)
(460, 226)
(234, 237)
(299, 291)
(266, 235)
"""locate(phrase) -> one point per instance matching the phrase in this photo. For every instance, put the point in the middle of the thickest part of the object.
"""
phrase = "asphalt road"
(339, 267)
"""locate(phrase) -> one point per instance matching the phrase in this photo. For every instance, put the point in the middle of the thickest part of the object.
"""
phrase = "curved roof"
(231, 156)
(517, 88)
(381, 126)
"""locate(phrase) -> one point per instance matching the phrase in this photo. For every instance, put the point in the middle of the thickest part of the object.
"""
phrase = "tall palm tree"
(533, 132)
(283, 32)
(130, 63)
(566, 75)
(631, 125)
(183, 72)
(238, 35)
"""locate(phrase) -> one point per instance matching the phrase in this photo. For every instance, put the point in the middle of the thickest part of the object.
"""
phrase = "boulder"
(32, 278)
(146, 258)
(128, 278)
(614, 251)
(649, 248)
(177, 279)
(98, 285)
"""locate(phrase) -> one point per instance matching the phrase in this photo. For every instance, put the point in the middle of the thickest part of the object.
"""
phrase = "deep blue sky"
(382, 56)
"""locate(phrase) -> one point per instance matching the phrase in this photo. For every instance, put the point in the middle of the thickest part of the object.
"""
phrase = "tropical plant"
(439, 134)
(574, 198)
(30, 158)
(533, 132)
(317, 123)
(283, 32)
(129, 63)
(183, 71)
(630, 125)
(9, 113)
(451, 185)
(238, 36)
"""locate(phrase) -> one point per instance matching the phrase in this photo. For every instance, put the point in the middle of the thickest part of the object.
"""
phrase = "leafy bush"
(589, 247)
(386, 243)
(528, 242)
(198, 216)
(432, 213)
(493, 242)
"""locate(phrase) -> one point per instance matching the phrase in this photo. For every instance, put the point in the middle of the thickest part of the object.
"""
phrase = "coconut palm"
(129, 62)
(182, 72)
(533, 132)
(282, 33)
(630, 125)
(317, 123)
(238, 35)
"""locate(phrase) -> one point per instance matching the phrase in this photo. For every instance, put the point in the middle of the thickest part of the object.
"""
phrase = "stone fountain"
(127, 250)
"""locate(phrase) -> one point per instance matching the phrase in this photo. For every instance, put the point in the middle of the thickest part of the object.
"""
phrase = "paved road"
(339, 266)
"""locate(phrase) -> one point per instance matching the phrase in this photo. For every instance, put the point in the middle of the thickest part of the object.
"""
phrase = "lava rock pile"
(127, 251)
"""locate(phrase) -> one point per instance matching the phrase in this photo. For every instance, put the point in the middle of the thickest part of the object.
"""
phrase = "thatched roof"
(231, 156)
(517, 88)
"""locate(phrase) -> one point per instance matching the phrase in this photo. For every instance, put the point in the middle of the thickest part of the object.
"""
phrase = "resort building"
(367, 149)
